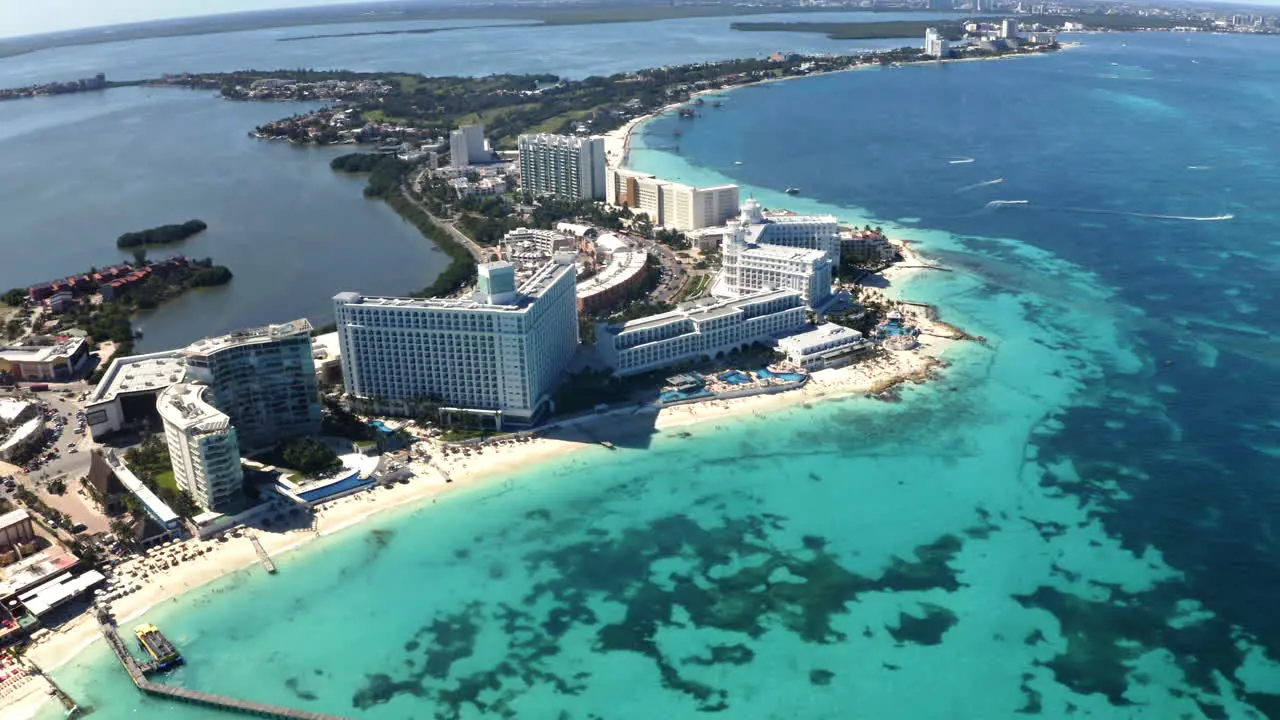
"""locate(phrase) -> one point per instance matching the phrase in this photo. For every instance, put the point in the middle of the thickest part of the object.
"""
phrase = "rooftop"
(819, 333)
(269, 333)
(13, 518)
(701, 310)
(184, 405)
(11, 410)
(59, 590)
(529, 291)
(782, 252)
(61, 349)
(28, 573)
(154, 506)
(326, 346)
(139, 373)
(22, 434)
(622, 266)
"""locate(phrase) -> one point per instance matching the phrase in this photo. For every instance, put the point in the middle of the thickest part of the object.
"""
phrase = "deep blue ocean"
(1075, 521)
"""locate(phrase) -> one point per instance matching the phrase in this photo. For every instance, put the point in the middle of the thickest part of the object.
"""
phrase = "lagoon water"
(81, 169)
(1075, 521)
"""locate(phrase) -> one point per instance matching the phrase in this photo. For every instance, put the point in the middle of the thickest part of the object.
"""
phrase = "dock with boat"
(139, 672)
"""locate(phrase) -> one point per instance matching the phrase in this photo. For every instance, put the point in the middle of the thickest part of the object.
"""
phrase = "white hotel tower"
(562, 166)
(202, 446)
(499, 353)
(815, 232)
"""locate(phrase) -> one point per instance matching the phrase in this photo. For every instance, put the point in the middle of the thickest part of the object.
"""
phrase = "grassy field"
(166, 480)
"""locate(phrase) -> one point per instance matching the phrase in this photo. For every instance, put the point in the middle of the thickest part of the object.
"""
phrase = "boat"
(717, 104)
(156, 645)
(793, 191)
(737, 162)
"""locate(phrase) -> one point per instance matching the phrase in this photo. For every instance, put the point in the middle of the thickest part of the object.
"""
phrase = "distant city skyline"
(21, 18)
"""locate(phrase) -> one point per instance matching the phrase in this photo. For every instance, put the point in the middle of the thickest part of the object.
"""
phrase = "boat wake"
(1156, 216)
(1197, 167)
(975, 186)
(960, 161)
(1002, 203)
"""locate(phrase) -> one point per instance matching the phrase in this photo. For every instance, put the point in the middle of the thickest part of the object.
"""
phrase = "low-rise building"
(864, 246)
(525, 246)
(125, 398)
(16, 528)
(16, 412)
(21, 438)
(699, 330)
(823, 346)
(621, 275)
(60, 360)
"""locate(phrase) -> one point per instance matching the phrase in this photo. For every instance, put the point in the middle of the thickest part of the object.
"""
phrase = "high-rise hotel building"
(264, 380)
(670, 204)
(203, 447)
(499, 353)
(562, 166)
(815, 232)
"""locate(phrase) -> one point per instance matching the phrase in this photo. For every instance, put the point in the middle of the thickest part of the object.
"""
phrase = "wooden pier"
(138, 674)
(262, 554)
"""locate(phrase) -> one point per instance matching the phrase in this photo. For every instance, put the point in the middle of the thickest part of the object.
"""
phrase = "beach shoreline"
(617, 143)
(445, 475)
(212, 560)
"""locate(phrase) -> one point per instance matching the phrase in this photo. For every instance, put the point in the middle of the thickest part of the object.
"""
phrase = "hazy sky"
(28, 17)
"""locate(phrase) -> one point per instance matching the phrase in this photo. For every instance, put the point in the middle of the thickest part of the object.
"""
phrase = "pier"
(267, 564)
(138, 673)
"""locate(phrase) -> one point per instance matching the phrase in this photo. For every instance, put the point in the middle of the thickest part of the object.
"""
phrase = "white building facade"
(935, 45)
(500, 353)
(823, 346)
(467, 146)
(701, 331)
(749, 268)
(562, 166)
(814, 232)
(263, 379)
(203, 446)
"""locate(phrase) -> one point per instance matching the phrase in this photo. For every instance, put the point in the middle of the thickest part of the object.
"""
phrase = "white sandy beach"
(210, 560)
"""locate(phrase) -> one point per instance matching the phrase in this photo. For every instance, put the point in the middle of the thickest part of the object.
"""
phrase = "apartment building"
(203, 447)
(263, 379)
(562, 166)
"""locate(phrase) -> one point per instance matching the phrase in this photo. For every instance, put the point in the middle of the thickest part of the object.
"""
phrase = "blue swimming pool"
(380, 426)
(735, 377)
(346, 484)
(676, 396)
(789, 377)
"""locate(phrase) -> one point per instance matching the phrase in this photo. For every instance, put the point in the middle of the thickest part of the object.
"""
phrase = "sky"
(29, 17)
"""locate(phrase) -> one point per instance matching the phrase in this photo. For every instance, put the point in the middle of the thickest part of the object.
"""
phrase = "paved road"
(480, 254)
(674, 278)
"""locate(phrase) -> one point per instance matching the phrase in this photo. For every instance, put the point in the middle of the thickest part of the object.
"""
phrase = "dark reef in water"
(927, 630)
(734, 579)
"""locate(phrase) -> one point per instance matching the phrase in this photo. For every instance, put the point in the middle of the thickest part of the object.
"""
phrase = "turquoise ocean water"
(1074, 522)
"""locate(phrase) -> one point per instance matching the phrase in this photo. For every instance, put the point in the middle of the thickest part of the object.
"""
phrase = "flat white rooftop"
(11, 409)
(60, 350)
(24, 433)
(57, 591)
(184, 406)
(10, 519)
(249, 337)
(818, 334)
(782, 252)
(529, 291)
(139, 373)
(700, 310)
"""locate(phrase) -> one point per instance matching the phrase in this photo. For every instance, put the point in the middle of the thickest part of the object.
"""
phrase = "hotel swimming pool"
(734, 377)
(351, 482)
(789, 377)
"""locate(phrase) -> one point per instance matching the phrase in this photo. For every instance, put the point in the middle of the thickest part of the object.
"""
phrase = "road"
(673, 272)
(480, 254)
